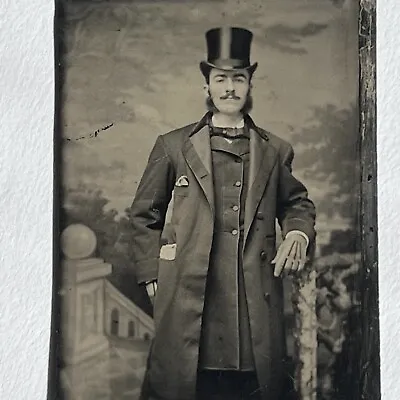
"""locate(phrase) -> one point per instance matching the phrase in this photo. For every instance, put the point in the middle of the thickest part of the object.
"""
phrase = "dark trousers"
(227, 385)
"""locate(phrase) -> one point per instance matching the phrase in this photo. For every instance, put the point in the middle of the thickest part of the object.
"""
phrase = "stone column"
(83, 331)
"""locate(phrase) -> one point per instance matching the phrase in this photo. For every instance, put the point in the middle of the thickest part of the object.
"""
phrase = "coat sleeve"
(295, 210)
(148, 211)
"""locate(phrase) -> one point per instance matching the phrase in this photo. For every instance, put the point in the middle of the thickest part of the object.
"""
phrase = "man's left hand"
(291, 255)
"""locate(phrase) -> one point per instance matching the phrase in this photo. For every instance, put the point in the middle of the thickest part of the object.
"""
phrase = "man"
(218, 309)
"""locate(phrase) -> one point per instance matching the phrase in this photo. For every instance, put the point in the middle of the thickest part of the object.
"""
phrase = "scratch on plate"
(93, 134)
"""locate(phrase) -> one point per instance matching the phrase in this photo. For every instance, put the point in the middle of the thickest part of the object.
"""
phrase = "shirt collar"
(229, 132)
(212, 123)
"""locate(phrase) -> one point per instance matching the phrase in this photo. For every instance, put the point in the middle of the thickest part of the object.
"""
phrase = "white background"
(26, 176)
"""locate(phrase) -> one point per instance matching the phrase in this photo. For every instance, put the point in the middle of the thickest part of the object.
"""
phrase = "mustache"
(247, 107)
(230, 95)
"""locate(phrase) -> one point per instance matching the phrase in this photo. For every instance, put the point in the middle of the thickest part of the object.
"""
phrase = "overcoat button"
(267, 296)
(263, 255)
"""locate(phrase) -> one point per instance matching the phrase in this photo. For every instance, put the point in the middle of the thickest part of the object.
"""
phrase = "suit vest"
(225, 338)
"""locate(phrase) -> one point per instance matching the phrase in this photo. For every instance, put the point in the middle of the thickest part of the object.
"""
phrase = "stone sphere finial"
(78, 241)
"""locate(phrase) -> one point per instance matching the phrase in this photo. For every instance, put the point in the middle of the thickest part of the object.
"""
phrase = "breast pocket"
(181, 191)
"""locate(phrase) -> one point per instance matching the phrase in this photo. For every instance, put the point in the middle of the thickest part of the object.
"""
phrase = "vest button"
(234, 232)
(235, 208)
(260, 215)
(263, 255)
(238, 183)
(267, 296)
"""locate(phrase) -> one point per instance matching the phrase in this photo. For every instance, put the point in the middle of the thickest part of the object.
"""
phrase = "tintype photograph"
(212, 227)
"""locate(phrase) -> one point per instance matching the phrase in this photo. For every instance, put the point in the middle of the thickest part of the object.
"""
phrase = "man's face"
(228, 90)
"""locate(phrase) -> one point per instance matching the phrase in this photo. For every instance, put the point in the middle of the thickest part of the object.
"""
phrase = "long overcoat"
(274, 193)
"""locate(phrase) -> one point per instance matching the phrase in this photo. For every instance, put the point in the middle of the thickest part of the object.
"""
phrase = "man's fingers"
(303, 257)
(280, 258)
(297, 258)
(287, 267)
(278, 267)
(295, 265)
(280, 262)
(277, 255)
(290, 258)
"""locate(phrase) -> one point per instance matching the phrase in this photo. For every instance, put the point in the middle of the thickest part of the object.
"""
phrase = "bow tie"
(229, 133)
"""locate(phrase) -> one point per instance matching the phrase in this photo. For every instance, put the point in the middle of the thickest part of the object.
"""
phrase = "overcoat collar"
(197, 152)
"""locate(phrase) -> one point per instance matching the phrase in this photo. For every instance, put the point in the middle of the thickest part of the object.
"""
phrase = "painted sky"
(135, 65)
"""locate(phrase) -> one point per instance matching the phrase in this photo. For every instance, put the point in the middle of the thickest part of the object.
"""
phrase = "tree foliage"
(331, 158)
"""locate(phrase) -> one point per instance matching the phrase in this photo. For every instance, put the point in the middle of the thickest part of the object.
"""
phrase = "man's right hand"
(151, 288)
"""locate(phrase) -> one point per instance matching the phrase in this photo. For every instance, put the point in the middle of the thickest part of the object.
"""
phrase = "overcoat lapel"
(262, 160)
(197, 152)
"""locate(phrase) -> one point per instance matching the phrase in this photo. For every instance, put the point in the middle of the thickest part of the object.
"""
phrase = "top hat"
(228, 49)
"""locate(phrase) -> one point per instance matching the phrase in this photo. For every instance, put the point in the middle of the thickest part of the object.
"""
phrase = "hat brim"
(206, 66)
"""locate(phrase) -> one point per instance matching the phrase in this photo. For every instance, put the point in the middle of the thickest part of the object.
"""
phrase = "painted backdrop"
(131, 73)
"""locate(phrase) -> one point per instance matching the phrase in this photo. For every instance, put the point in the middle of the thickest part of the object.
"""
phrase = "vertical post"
(305, 333)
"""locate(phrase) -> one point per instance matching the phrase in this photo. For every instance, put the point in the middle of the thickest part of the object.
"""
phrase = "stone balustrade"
(104, 335)
(123, 319)
(85, 346)
(83, 330)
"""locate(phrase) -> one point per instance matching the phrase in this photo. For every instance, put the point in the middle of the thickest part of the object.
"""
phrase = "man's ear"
(206, 90)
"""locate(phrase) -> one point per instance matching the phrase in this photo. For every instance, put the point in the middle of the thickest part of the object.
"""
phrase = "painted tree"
(330, 158)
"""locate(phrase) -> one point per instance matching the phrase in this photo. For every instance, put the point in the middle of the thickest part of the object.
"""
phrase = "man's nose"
(229, 85)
